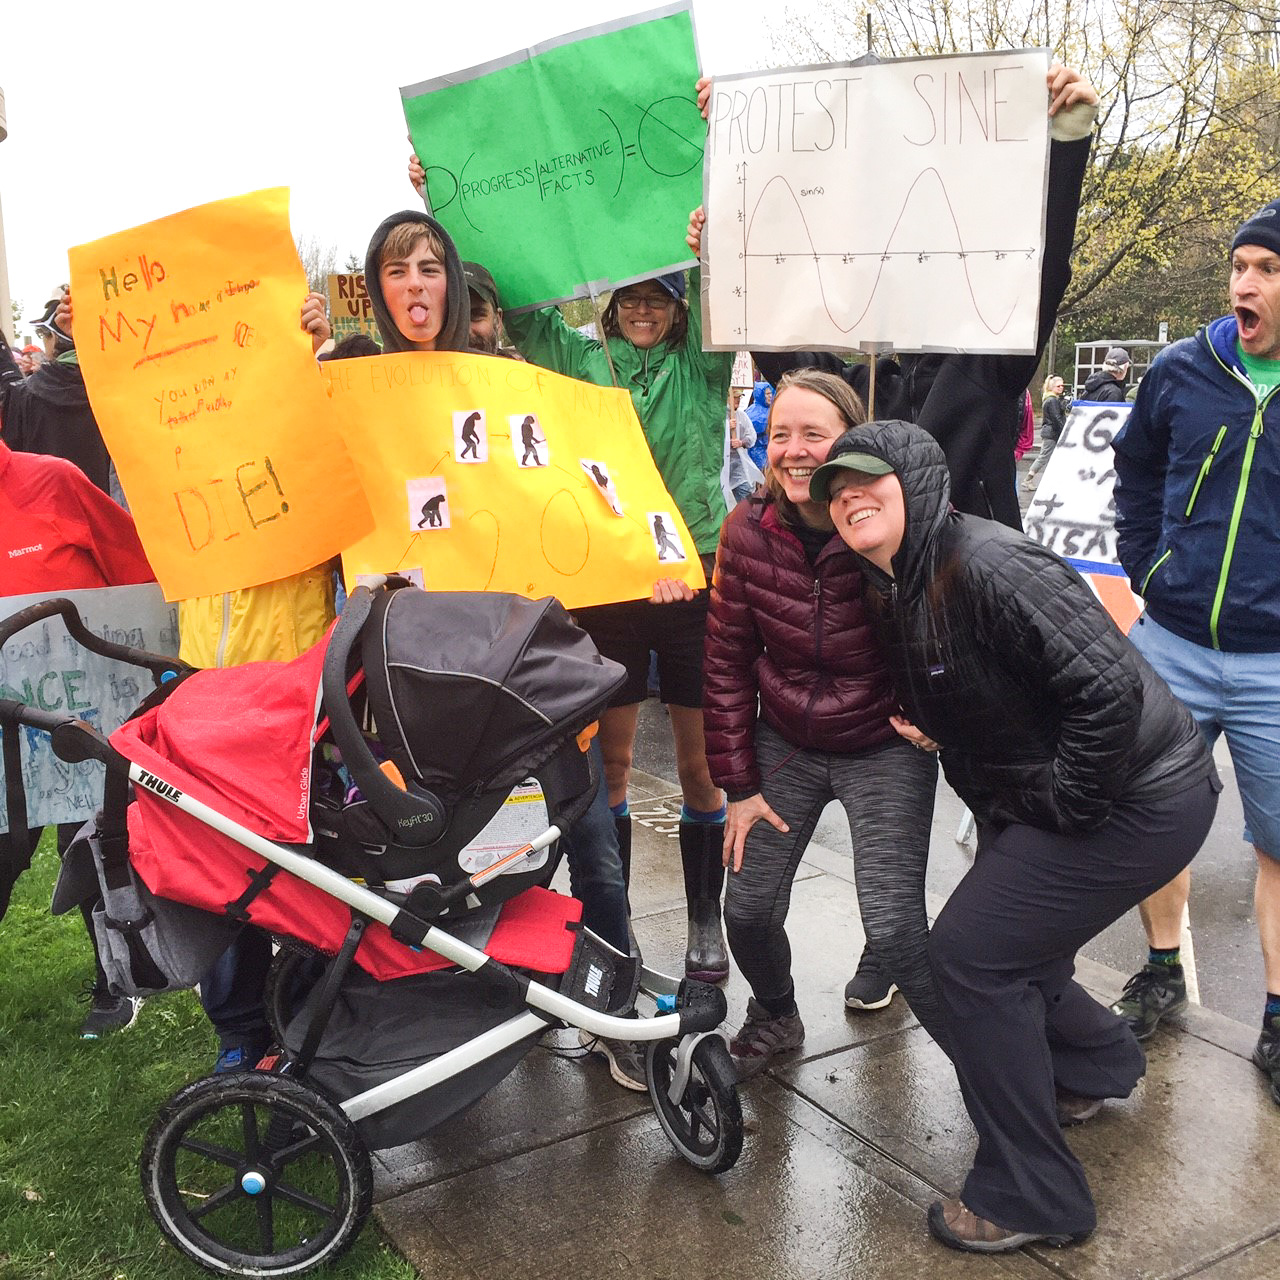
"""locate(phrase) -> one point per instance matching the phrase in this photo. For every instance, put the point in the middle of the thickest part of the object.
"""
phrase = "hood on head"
(921, 467)
(455, 334)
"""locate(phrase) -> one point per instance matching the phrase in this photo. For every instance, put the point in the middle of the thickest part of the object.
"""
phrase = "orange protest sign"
(487, 474)
(209, 398)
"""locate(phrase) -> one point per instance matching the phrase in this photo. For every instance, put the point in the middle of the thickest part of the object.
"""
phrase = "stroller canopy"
(471, 691)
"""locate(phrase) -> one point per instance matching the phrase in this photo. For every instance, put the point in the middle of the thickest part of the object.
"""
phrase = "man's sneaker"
(625, 1059)
(1266, 1056)
(870, 987)
(238, 1057)
(762, 1037)
(107, 1013)
(1152, 992)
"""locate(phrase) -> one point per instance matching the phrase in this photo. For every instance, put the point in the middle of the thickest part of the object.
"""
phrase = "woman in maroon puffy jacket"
(797, 713)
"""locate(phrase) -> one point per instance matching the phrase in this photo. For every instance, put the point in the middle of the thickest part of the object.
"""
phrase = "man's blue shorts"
(1237, 694)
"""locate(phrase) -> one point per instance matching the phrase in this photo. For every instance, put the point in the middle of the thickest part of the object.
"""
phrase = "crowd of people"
(873, 611)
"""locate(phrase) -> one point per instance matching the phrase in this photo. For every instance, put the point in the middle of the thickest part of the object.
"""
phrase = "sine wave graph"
(947, 242)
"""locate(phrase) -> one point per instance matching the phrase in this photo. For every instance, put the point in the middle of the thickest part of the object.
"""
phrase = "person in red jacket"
(60, 532)
(787, 633)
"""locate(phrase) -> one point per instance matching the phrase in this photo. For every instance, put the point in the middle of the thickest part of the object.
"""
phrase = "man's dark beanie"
(1263, 228)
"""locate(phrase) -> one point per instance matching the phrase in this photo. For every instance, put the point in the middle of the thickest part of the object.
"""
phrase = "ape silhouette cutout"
(598, 474)
(471, 440)
(529, 440)
(666, 539)
(428, 503)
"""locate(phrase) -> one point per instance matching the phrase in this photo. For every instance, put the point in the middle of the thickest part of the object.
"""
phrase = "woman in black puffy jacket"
(1091, 787)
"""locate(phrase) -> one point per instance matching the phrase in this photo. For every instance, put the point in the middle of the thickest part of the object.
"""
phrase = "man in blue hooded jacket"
(1197, 487)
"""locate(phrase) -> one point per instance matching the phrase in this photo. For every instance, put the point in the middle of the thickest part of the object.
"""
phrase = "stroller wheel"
(255, 1174)
(705, 1124)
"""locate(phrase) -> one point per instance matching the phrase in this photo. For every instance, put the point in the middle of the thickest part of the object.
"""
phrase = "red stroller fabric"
(239, 740)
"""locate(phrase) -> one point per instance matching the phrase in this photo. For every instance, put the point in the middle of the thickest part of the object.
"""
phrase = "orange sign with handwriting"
(209, 398)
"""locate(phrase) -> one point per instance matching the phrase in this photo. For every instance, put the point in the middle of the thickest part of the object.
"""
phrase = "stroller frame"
(692, 1084)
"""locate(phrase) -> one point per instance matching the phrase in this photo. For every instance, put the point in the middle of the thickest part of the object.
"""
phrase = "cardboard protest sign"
(45, 668)
(570, 164)
(209, 398)
(488, 474)
(350, 307)
(901, 202)
(1074, 510)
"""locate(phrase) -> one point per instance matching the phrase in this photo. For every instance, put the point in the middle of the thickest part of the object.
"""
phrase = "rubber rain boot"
(701, 843)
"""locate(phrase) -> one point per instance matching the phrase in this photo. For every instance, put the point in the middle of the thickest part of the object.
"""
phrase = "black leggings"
(887, 793)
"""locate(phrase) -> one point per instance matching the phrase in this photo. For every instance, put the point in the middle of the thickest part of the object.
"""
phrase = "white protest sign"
(1074, 510)
(901, 202)
(44, 667)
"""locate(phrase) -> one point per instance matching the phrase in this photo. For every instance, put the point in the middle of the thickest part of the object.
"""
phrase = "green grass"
(73, 1113)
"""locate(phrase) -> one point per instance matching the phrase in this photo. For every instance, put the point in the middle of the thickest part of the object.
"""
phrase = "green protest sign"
(572, 166)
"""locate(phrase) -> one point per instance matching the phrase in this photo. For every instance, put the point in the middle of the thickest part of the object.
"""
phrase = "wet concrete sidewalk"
(560, 1172)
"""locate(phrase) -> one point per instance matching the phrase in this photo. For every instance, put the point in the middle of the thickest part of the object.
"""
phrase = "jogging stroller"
(388, 806)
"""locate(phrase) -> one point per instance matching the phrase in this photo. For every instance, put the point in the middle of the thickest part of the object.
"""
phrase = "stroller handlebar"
(159, 665)
(73, 740)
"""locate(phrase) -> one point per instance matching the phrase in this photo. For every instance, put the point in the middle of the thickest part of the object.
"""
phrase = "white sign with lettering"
(45, 668)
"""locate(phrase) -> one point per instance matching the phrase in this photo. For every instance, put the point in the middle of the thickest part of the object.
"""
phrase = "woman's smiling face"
(645, 313)
(869, 514)
(803, 425)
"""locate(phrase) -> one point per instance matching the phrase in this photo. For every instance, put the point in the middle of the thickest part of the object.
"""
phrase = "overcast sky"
(123, 112)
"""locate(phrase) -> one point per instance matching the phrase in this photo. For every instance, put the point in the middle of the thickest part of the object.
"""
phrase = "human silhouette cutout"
(431, 512)
(530, 441)
(600, 477)
(662, 536)
(470, 436)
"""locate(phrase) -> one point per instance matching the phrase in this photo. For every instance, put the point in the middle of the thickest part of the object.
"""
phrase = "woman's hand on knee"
(742, 815)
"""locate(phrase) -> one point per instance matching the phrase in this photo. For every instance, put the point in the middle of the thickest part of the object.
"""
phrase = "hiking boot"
(870, 987)
(107, 1013)
(762, 1037)
(1152, 992)
(958, 1227)
(625, 1059)
(1266, 1055)
(1073, 1109)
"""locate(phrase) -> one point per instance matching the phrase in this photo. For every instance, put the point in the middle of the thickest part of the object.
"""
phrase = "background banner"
(487, 474)
(209, 399)
(1074, 509)
(350, 307)
(569, 164)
